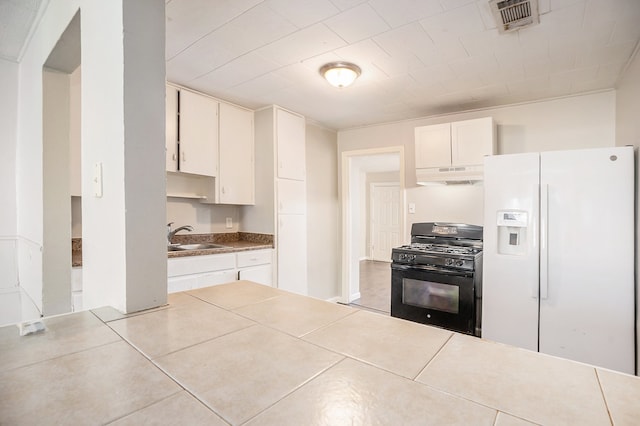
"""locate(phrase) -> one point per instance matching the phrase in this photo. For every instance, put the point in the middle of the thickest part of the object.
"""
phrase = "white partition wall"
(123, 79)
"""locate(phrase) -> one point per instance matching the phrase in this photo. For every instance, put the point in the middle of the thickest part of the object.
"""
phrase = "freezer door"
(587, 305)
(510, 253)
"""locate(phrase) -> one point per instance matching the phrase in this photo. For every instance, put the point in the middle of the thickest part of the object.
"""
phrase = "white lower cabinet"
(191, 272)
(188, 273)
(255, 266)
(193, 281)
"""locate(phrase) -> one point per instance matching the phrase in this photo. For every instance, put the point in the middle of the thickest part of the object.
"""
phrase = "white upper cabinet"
(198, 146)
(461, 143)
(290, 130)
(471, 141)
(453, 151)
(171, 135)
(433, 146)
(235, 183)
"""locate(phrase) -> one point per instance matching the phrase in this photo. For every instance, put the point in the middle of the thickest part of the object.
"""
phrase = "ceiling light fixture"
(340, 74)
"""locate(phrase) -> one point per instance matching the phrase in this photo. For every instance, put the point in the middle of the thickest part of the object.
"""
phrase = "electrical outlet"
(229, 223)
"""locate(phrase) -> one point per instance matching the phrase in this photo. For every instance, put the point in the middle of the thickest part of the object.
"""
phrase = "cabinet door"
(198, 134)
(471, 140)
(291, 196)
(292, 253)
(258, 274)
(171, 123)
(236, 177)
(290, 135)
(433, 146)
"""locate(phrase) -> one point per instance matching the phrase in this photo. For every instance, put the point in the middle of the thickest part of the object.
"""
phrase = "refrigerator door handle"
(544, 241)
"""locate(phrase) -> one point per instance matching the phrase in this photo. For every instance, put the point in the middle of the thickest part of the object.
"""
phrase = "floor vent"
(513, 15)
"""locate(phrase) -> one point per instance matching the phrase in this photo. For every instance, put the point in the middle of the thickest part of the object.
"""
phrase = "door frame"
(349, 268)
(372, 187)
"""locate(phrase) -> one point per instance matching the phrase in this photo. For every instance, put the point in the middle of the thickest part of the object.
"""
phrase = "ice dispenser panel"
(512, 232)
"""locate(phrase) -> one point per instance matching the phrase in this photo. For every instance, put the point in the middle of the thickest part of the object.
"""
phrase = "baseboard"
(334, 299)
(354, 296)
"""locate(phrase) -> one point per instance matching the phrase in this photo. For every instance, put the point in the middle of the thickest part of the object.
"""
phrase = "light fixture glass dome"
(340, 74)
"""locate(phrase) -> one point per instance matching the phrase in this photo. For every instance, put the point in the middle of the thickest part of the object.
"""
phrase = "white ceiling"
(418, 57)
(16, 20)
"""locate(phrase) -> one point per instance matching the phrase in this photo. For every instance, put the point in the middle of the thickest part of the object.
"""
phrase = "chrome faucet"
(171, 233)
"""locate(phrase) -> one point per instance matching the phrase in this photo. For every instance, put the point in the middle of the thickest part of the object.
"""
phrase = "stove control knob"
(448, 262)
(459, 262)
(412, 257)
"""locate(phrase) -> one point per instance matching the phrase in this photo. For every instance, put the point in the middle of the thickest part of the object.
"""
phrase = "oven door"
(434, 296)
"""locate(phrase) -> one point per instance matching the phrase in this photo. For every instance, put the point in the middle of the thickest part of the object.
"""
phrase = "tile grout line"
(434, 356)
(604, 398)
(301, 385)
(166, 374)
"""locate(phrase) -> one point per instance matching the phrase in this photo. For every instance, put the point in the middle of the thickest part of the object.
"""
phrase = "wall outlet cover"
(229, 223)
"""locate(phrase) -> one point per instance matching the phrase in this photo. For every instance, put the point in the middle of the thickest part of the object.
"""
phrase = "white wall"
(123, 75)
(56, 253)
(323, 278)
(8, 217)
(204, 218)
(585, 121)
(628, 133)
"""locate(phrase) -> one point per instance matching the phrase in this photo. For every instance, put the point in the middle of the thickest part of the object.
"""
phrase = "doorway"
(60, 167)
(356, 233)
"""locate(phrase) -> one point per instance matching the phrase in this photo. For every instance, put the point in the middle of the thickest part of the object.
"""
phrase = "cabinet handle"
(174, 157)
(223, 189)
(184, 157)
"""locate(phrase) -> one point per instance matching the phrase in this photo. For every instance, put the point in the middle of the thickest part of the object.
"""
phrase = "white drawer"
(197, 264)
(191, 282)
(254, 257)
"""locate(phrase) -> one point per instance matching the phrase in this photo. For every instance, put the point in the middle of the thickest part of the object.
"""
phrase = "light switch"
(412, 208)
(97, 180)
(229, 223)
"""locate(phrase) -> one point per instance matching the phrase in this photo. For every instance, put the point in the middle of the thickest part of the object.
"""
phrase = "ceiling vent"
(512, 15)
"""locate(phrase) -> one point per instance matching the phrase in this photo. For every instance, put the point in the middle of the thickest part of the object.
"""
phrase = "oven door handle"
(427, 268)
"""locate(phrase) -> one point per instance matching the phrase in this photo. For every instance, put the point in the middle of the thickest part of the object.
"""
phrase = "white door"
(384, 220)
(510, 281)
(587, 280)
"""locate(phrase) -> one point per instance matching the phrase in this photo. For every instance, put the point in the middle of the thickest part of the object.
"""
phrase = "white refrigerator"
(558, 257)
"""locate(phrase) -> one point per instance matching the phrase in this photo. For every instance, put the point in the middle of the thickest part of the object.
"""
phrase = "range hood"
(449, 175)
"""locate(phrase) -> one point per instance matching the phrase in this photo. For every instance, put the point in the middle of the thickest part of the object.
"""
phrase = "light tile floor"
(243, 353)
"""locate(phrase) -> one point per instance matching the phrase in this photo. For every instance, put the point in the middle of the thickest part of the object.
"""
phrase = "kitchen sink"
(201, 246)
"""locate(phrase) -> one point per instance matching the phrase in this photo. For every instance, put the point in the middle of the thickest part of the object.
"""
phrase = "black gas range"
(437, 279)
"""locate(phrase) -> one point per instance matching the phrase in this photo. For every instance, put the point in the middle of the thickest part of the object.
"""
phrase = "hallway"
(375, 286)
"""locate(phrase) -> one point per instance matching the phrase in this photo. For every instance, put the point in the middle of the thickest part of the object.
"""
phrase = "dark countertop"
(234, 242)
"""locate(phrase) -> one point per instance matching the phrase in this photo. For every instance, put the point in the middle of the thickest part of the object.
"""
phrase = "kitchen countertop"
(244, 353)
(233, 242)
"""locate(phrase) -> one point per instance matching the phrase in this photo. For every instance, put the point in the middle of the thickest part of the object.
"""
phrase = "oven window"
(426, 294)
